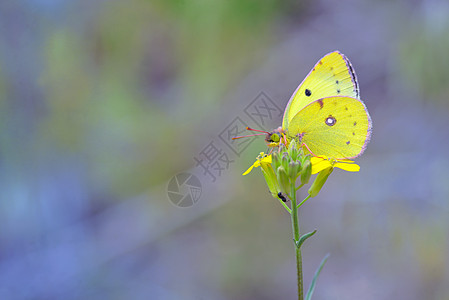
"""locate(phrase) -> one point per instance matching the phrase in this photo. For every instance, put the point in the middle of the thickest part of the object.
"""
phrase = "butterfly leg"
(305, 145)
(284, 140)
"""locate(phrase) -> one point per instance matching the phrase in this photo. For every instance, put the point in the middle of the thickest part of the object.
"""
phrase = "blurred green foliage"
(423, 52)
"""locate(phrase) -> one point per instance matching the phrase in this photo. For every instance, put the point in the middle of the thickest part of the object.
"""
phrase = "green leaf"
(303, 238)
(317, 273)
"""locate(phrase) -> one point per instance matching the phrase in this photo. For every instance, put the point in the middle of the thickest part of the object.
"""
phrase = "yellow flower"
(322, 163)
(262, 159)
(318, 163)
(324, 167)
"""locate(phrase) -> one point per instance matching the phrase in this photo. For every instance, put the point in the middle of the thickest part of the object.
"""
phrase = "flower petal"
(249, 170)
(350, 167)
(264, 161)
(319, 164)
(267, 159)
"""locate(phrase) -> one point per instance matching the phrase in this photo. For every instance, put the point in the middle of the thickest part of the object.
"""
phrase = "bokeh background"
(103, 102)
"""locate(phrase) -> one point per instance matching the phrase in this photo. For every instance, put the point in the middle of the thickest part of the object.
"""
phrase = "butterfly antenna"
(244, 136)
(247, 128)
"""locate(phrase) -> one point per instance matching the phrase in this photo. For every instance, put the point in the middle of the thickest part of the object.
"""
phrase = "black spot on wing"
(355, 123)
(308, 92)
(348, 142)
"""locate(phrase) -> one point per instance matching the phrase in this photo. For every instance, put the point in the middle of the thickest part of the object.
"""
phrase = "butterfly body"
(325, 112)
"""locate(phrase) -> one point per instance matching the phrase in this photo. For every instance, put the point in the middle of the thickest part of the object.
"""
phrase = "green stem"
(300, 186)
(285, 205)
(296, 236)
(302, 202)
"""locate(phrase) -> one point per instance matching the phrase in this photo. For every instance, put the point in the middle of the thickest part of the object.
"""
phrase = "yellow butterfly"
(325, 112)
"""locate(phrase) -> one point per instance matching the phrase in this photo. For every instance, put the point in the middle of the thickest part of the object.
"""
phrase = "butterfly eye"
(330, 121)
(275, 138)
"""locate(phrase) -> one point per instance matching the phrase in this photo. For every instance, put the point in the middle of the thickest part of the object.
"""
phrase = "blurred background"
(103, 103)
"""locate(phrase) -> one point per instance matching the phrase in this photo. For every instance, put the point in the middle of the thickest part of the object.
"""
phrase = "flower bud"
(293, 150)
(319, 181)
(283, 179)
(306, 171)
(293, 169)
(275, 160)
(282, 148)
(285, 160)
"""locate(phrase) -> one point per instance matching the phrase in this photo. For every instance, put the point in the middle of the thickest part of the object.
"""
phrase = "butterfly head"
(275, 137)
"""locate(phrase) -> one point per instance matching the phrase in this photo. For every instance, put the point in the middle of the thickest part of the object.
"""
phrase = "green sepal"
(271, 179)
(315, 277)
(304, 237)
(319, 182)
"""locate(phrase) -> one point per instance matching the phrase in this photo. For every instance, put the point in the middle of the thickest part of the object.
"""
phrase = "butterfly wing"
(338, 127)
(332, 75)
